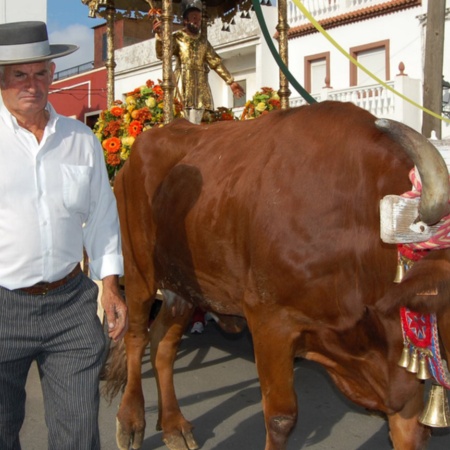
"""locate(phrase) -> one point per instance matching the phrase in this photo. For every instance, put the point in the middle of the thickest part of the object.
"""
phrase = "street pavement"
(218, 390)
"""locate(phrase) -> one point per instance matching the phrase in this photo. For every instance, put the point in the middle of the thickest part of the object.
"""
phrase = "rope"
(441, 239)
(262, 23)
(319, 28)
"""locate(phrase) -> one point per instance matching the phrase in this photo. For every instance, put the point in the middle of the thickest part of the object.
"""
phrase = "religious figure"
(195, 56)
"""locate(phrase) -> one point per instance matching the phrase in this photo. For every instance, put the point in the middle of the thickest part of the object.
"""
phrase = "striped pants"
(62, 333)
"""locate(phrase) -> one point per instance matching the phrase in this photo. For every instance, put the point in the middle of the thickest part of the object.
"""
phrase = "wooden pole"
(434, 64)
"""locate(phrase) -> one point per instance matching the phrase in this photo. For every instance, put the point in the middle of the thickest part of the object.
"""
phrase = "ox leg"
(406, 432)
(165, 336)
(130, 427)
(273, 346)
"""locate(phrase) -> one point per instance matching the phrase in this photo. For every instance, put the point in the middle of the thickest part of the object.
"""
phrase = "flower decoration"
(263, 102)
(118, 126)
(142, 109)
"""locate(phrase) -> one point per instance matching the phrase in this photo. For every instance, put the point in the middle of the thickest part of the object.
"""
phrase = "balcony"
(325, 9)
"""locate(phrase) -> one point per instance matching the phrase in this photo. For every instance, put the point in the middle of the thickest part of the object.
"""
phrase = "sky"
(68, 22)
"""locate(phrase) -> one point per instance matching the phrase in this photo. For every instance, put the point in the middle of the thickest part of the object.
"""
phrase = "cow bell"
(413, 365)
(404, 359)
(424, 372)
(400, 273)
(436, 413)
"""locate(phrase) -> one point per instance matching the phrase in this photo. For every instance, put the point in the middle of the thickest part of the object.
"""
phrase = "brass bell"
(413, 365)
(400, 272)
(436, 412)
(424, 372)
(404, 359)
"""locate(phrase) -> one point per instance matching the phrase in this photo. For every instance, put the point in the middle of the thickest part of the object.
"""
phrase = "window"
(375, 58)
(317, 72)
(104, 47)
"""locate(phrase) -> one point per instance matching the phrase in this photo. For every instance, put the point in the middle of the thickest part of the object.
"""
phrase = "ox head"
(431, 166)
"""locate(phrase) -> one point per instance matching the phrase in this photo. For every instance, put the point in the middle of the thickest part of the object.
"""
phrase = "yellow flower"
(130, 100)
(261, 106)
(150, 102)
(130, 108)
(275, 95)
(124, 154)
(128, 141)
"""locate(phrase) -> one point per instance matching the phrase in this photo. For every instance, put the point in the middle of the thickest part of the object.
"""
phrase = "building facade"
(385, 37)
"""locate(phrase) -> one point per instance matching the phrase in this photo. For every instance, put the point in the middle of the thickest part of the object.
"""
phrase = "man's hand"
(115, 308)
(237, 89)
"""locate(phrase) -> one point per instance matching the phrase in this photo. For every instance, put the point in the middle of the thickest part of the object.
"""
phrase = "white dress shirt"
(55, 198)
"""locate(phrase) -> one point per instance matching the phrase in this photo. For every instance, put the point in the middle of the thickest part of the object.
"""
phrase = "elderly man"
(195, 56)
(56, 199)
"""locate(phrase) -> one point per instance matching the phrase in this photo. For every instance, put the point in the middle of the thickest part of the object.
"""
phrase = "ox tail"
(115, 371)
(425, 287)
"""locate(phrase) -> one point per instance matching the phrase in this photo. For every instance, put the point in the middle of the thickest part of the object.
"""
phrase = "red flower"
(135, 128)
(112, 145)
(275, 103)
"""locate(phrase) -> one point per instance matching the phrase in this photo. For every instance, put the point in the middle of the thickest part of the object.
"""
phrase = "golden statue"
(195, 56)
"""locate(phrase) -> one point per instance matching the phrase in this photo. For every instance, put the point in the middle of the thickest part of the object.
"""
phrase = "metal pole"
(110, 63)
(283, 28)
(167, 39)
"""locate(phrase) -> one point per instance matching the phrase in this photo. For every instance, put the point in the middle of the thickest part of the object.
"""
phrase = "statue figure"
(195, 56)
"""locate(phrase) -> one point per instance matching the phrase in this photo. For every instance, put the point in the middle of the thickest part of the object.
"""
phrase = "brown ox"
(276, 221)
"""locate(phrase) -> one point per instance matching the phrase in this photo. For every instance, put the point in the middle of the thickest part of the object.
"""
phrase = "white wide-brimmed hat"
(27, 42)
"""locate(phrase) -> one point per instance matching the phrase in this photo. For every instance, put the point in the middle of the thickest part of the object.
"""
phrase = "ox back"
(276, 220)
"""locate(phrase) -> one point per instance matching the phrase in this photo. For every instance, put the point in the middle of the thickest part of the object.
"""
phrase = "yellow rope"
(319, 28)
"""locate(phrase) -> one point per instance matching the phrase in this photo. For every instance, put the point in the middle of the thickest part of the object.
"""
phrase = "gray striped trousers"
(62, 333)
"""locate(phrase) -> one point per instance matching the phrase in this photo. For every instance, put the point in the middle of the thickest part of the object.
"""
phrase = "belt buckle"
(44, 291)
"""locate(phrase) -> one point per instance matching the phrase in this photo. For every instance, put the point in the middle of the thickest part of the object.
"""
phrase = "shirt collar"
(11, 122)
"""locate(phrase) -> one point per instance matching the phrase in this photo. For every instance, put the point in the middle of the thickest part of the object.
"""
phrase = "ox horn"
(431, 166)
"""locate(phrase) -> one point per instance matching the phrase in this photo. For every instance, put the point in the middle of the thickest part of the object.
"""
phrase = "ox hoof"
(125, 439)
(181, 442)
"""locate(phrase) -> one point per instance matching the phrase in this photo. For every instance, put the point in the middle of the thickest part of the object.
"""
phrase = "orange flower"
(135, 128)
(142, 114)
(116, 111)
(113, 159)
(113, 128)
(112, 145)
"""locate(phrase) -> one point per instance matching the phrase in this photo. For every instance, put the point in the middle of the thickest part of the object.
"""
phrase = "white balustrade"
(323, 9)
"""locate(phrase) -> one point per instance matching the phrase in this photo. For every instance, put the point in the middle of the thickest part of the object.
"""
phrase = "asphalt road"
(218, 390)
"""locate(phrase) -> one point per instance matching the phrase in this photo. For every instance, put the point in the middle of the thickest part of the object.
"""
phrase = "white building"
(23, 10)
(386, 37)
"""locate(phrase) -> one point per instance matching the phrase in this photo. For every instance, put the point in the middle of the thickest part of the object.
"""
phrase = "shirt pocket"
(76, 188)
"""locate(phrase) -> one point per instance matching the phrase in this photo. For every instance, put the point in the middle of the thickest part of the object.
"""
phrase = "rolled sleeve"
(102, 230)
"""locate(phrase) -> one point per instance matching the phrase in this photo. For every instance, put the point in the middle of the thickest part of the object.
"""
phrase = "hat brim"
(56, 51)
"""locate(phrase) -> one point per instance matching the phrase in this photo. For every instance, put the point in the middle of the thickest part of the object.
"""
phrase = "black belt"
(43, 287)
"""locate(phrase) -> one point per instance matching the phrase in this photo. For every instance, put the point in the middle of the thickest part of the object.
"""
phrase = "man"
(55, 200)
(195, 56)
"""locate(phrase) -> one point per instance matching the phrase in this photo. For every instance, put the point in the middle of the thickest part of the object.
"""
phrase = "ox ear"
(425, 288)
(431, 166)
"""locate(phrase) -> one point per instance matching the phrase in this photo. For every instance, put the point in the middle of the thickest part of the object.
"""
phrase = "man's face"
(193, 21)
(24, 87)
